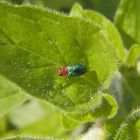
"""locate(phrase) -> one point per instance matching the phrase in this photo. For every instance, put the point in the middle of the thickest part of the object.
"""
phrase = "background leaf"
(40, 119)
(107, 8)
(133, 55)
(130, 87)
(129, 129)
(11, 96)
(128, 20)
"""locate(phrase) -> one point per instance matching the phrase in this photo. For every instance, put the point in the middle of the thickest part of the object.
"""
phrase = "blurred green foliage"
(106, 7)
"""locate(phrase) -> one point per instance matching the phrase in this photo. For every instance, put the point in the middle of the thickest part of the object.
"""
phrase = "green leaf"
(11, 96)
(34, 112)
(69, 123)
(128, 20)
(133, 55)
(29, 138)
(112, 125)
(35, 43)
(40, 118)
(102, 105)
(107, 8)
(109, 29)
(128, 129)
(130, 88)
(3, 124)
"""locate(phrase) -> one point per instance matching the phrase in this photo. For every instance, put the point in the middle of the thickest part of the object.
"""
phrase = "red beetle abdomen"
(63, 71)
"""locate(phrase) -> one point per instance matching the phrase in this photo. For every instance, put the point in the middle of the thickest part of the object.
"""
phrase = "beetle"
(72, 70)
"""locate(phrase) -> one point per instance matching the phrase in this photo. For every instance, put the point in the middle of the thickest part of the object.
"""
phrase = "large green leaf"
(11, 96)
(35, 43)
(128, 20)
(108, 27)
